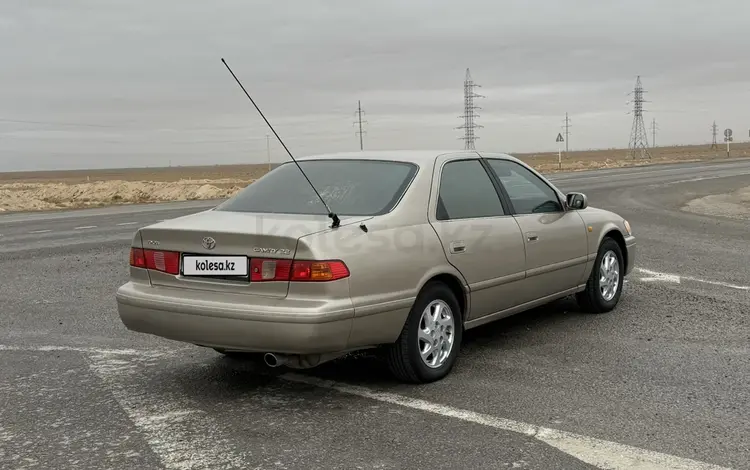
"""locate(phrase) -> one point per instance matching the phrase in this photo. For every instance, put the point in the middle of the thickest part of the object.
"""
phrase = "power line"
(359, 121)
(469, 112)
(638, 144)
(654, 128)
(714, 132)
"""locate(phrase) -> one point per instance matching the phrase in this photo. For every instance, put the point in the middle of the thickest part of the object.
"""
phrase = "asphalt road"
(662, 379)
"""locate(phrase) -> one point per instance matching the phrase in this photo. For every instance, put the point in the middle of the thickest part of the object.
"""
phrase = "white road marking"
(83, 227)
(597, 452)
(181, 434)
(677, 279)
(40, 231)
(656, 276)
(699, 178)
(128, 223)
(124, 352)
(185, 437)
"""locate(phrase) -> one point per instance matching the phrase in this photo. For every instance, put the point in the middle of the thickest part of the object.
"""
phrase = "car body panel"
(487, 251)
(390, 258)
(389, 263)
(603, 222)
(234, 233)
(556, 252)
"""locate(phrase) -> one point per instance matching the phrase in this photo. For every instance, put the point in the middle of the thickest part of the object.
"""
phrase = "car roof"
(410, 156)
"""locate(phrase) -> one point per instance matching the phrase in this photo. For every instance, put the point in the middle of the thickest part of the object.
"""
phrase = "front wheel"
(604, 286)
(431, 338)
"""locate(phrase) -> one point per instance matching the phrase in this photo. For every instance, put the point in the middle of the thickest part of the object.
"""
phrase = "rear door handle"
(458, 247)
(531, 236)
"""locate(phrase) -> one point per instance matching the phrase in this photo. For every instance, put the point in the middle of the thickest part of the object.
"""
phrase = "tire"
(404, 358)
(592, 299)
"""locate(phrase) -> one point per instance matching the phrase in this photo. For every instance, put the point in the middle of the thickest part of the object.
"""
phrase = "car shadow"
(369, 368)
(230, 378)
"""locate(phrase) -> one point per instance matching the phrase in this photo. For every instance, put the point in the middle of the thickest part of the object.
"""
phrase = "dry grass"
(44, 190)
(616, 158)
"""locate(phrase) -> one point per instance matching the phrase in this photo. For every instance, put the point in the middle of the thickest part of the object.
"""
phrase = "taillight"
(158, 260)
(269, 269)
(137, 258)
(297, 271)
(318, 271)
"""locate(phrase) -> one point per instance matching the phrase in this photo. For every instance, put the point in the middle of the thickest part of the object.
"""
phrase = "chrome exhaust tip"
(272, 360)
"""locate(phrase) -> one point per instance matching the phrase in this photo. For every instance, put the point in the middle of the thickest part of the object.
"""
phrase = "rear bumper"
(232, 322)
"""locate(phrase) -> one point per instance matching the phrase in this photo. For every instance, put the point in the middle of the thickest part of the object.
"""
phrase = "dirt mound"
(735, 205)
(43, 196)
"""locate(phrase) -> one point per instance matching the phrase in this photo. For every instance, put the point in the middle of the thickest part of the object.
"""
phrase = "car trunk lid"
(198, 250)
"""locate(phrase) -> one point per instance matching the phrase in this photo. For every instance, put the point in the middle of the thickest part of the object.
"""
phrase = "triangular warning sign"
(559, 138)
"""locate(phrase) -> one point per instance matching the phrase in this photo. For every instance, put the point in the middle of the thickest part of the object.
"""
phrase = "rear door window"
(349, 187)
(467, 192)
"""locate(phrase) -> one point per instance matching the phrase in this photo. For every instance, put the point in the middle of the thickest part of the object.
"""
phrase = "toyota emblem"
(209, 243)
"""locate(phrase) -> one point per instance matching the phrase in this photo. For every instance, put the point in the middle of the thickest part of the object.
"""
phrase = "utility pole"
(567, 127)
(638, 145)
(268, 150)
(714, 132)
(654, 128)
(359, 121)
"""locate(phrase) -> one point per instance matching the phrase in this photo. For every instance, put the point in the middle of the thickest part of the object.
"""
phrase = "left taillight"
(137, 257)
(158, 260)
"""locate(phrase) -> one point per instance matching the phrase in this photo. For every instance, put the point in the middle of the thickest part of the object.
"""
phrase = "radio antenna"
(331, 215)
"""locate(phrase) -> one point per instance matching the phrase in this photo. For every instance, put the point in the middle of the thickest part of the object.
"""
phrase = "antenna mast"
(638, 145)
(335, 219)
(359, 121)
(469, 114)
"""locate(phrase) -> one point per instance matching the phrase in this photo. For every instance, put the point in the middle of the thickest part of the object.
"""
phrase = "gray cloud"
(140, 82)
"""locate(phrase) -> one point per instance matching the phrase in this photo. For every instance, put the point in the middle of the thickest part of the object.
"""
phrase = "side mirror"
(577, 201)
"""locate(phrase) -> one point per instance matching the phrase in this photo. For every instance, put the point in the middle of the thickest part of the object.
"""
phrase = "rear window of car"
(349, 187)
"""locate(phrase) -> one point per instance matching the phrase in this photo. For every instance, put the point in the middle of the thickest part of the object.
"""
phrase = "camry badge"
(209, 243)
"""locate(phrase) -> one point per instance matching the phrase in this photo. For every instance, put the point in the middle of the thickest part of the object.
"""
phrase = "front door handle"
(531, 236)
(458, 247)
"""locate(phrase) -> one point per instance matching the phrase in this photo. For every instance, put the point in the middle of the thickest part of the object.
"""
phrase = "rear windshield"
(349, 187)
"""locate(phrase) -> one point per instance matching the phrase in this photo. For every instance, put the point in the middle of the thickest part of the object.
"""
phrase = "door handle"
(531, 236)
(458, 247)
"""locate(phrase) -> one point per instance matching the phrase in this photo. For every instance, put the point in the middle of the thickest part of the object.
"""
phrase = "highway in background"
(663, 378)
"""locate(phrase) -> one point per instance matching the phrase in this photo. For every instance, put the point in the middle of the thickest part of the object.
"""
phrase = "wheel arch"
(455, 284)
(615, 234)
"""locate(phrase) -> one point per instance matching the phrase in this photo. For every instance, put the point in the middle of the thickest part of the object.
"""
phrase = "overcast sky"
(104, 83)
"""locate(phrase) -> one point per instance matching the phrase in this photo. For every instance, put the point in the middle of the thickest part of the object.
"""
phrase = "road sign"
(728, 139)
(727, 132)
(559, 138)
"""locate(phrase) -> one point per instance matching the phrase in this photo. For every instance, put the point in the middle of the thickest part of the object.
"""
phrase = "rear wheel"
(431, 338)
(604, 286)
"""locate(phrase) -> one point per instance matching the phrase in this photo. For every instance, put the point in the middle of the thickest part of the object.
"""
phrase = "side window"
(528, 193)
(466, 191)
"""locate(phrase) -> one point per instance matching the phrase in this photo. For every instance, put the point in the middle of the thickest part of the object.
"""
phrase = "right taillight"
(264, 269)
(318, 271)
(158, 260)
